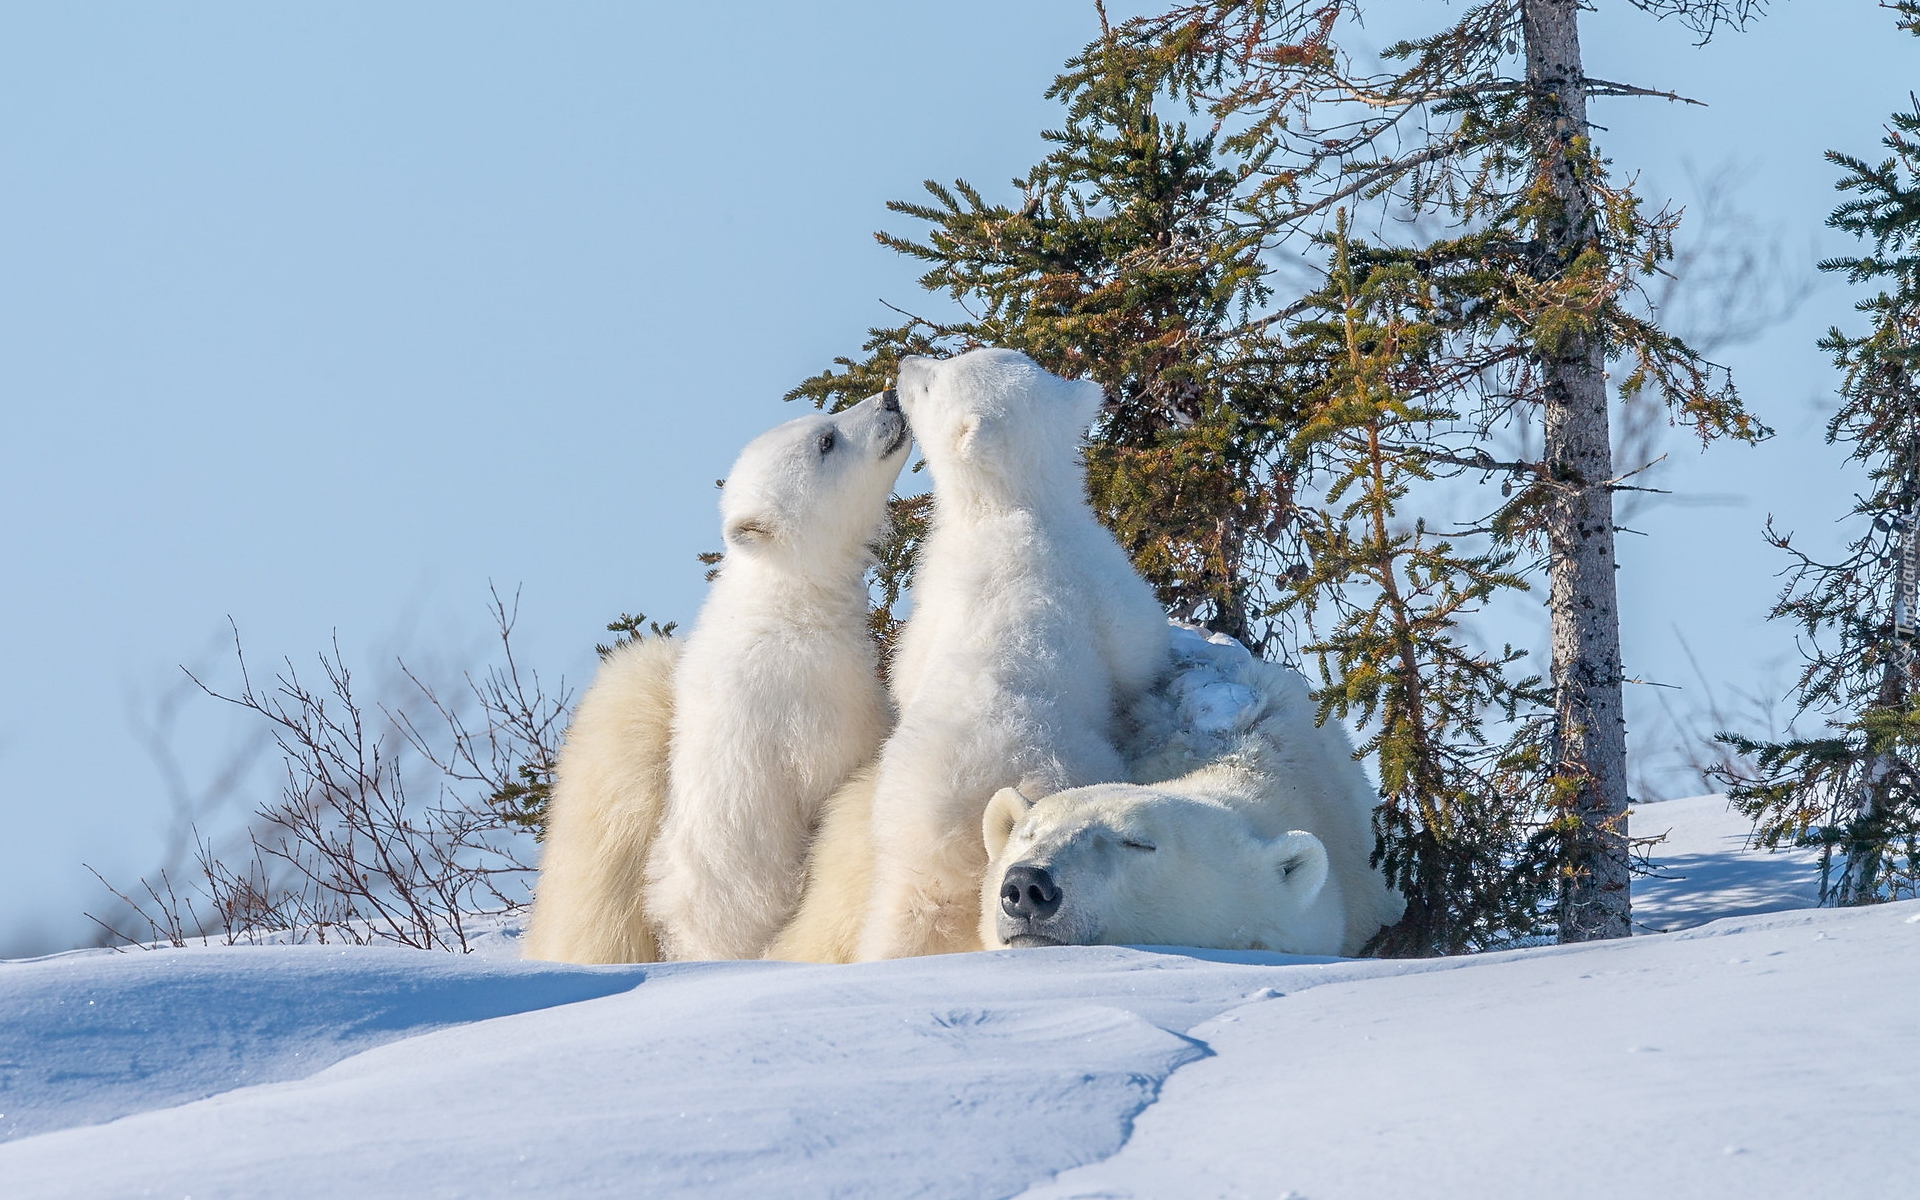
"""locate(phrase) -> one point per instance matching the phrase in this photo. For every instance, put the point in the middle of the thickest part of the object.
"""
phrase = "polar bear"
(1263, 845)
(1030, 630)
(691, 780)
(778, 697)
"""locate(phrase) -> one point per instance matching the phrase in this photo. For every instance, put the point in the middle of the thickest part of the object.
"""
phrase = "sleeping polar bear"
(1263, 846)
(693, 774)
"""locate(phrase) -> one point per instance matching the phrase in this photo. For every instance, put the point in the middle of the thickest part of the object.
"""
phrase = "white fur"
(609, 788)
(609, 792)
(1133, 866)
(777, 698)
(1030, 629)
(826, 926)
(1239, 841)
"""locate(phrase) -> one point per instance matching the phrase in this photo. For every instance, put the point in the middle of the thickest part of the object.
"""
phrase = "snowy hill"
(1732, 1058)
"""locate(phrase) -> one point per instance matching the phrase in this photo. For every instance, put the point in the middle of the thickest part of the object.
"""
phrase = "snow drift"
(1733, 1058)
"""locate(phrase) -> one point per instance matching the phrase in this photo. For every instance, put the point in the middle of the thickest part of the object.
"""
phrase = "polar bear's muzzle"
(901, 436)
(1029, 893)
(892, 424)
(1030, 910)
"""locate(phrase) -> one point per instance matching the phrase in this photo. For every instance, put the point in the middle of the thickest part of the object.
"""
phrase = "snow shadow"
(85, 1040)
(1241, 958)
(1693, 889)
(1705, 868)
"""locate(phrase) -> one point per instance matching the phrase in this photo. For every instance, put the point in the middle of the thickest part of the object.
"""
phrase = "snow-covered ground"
(1707, 872)
(1766, 1049)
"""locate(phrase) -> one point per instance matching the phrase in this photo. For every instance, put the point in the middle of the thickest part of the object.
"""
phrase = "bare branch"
(346, 853)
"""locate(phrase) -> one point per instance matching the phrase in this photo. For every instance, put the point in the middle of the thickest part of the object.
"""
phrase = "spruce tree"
(1484, 125)
(1132, 257)
(1455, 731)
(1855, 793)
(1122, 261)
(1140, 253)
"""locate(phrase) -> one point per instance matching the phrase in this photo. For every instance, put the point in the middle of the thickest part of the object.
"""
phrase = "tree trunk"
(1860, 879)
(1591, 732)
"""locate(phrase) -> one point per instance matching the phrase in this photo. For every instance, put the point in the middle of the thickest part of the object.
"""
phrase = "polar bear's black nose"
(1029, 892)
(889, 401)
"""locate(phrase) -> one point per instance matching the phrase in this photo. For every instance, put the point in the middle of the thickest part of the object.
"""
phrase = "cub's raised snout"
(876, 424)
(890, 425)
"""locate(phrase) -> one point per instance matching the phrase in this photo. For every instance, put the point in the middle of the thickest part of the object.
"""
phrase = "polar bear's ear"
(1003, 813)
(967, 440)
(1301, 860)
(747, 531)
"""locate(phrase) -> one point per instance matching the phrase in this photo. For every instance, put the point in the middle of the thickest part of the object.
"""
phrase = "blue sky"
(321, 317)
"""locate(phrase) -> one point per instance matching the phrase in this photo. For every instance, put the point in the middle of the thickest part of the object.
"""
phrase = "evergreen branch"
(1602, 87)
(1480, 460)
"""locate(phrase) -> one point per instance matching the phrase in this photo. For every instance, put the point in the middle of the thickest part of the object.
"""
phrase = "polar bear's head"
(814, 490)
(1121, 865)
(995, 426)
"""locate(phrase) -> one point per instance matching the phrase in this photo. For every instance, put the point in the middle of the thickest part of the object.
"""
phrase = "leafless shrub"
(161, 912)
(509, 755)
(160, 723)
(348, 852)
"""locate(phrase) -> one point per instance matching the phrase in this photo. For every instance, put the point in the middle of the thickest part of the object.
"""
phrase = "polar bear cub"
(1030, 631)
(1262, 844)
(693, 774)
(777, 699)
